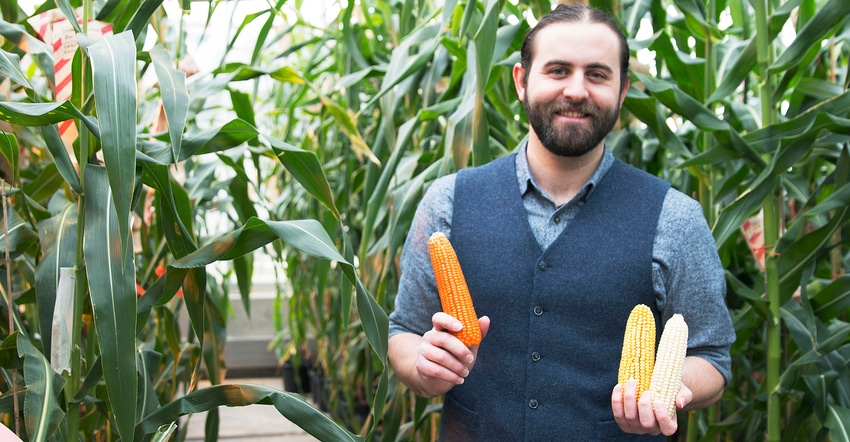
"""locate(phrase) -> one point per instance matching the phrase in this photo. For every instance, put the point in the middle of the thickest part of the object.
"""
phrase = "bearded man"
(558, 242)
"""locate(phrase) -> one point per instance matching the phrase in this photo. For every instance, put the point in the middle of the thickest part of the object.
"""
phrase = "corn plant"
(742, 105)
(93, 346)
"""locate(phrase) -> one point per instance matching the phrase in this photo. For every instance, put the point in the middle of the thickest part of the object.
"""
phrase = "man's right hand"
(432, 364)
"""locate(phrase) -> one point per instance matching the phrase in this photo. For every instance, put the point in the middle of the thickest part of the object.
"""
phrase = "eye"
(596, 75)
(558, 72)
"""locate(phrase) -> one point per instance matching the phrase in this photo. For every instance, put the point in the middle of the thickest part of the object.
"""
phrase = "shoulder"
(680, 208)
(682, 226)
(441, 190)
(634, 176)
(502, 164)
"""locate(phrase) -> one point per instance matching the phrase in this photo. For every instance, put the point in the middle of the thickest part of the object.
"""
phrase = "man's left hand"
(639, 416)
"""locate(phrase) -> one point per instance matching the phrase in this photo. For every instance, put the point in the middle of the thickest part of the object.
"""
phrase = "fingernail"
(469, 359)
(457, 326)
(460, 381)
(465, 372)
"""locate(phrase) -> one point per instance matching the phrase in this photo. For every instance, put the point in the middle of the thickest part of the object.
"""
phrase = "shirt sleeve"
(689, 279)
(417, 299)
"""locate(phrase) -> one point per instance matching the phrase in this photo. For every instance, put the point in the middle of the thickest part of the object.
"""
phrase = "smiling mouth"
(572, 114)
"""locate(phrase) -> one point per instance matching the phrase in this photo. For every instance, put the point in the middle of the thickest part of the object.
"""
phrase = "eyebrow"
(600, 66)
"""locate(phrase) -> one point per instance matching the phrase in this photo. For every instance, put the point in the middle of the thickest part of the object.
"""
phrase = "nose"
(574, 88)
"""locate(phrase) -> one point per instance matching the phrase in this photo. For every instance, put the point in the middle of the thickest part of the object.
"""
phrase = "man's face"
(572, 96)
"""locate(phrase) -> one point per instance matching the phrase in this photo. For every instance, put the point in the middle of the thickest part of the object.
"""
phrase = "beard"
(569, 140)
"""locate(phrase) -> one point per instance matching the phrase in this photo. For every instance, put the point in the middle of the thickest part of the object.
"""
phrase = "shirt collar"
(526, 181)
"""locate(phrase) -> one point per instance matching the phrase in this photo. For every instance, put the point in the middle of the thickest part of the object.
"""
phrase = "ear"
(626, 83)
(519, 81)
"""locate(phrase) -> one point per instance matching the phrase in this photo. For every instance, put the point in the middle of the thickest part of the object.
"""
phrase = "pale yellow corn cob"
(669, 363)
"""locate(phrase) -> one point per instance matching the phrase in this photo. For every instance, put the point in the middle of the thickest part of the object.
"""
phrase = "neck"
(561, 177)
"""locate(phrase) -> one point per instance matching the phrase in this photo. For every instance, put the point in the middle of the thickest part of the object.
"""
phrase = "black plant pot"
(296, 377)
(317, 388)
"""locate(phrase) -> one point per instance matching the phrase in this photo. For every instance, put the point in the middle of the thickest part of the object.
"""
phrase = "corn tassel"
(451, 285)
(669, 363)
(638, 356)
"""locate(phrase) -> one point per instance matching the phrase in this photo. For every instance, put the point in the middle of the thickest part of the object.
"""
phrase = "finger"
(453, 354)
(436, 362)
(484, 324)
(648, 419)
(444, 322)
(684, 397)
(617, 404)
(667, 424)
(630, 399)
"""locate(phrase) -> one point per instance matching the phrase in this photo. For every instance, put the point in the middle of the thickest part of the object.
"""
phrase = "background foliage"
(315, 149)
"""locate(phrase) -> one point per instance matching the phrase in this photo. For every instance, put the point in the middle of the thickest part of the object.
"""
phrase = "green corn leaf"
(242, 72)
(42, 114)
(142, 16)
(634, 14)
(307, 236)
(114, 77)
(111, 276)
(175, 96)
(480, 127)
(163, 433)
(148, 362)
(18, 234)
(838, 422)
(837, 200)
(41, 53)
(833, 300)
(10, 66)
(696, 20)
(823, 24)
(388, 172)
(56, 146)
(42, 410)
(422, 44)
(290, 405)
(646, 109)
(347, 122)
(305, 167)
(57, 236)
(68, 12)
(733, 216)
(745, 61)
(227, 136)
(173, 206)
(803, 251)
(485, 39)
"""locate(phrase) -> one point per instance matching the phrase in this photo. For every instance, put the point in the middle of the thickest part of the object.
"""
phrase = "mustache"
(563, 107)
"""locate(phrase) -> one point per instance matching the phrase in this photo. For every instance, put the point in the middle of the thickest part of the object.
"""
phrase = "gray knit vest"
(546, 368)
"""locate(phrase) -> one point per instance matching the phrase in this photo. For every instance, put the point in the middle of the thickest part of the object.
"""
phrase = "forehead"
(577, 43)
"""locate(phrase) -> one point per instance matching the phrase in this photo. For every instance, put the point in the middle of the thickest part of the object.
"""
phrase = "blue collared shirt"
(687, 274)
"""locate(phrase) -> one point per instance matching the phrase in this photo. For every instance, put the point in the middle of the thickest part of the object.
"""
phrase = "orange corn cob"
(454, 293)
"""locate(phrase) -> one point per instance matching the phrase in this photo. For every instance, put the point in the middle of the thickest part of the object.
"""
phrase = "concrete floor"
(254, 423)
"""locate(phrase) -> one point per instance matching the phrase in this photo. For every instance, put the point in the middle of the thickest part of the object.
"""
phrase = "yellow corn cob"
(454, 293)
(669, 362)
(638, 357)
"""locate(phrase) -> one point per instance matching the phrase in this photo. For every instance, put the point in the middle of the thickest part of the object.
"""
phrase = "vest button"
(532, 404)
(538, 310)
(542, 265)
(535, 356)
